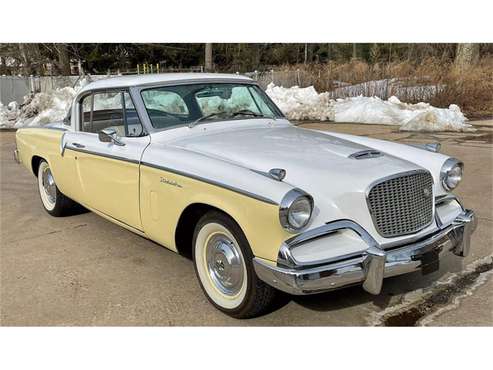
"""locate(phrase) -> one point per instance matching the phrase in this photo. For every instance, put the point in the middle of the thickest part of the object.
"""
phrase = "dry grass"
(435, 81)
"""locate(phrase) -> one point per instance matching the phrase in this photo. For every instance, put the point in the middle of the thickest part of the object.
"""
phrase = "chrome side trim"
(177, 172)
(211, 182)
(110, 156)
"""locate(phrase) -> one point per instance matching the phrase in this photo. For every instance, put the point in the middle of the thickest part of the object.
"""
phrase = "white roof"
(145, 79)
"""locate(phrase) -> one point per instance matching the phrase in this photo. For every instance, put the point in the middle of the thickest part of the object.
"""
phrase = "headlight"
(451, 173)
(295, 210)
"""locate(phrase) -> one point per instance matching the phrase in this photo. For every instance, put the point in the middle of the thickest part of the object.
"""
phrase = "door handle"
(77, 145)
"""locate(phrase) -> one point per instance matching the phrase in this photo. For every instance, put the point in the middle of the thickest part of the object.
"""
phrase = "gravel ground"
(84, 270)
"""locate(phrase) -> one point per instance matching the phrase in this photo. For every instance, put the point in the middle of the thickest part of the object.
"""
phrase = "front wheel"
(54, 202)
(223, 264)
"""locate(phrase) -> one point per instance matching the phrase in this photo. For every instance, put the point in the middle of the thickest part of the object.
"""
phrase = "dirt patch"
(442, 296)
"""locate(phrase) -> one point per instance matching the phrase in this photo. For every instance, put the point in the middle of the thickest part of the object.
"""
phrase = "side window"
(86, 107)
(132, 122)
(108, 110)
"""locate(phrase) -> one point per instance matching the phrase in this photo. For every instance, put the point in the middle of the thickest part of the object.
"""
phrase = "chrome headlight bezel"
(292, 198)
(451, 165)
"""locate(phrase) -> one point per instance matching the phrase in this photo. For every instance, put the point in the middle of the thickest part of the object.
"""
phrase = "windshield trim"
(141, 88)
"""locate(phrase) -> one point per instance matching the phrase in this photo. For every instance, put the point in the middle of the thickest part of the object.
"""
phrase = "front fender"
(173, 178)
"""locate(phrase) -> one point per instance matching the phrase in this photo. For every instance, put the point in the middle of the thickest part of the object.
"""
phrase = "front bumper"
(375, 264)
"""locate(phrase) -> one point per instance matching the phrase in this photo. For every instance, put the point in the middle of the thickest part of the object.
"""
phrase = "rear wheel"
(223, 264)
(54, 202)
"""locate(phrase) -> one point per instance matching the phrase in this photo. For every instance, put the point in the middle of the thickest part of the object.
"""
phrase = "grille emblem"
(426, 193)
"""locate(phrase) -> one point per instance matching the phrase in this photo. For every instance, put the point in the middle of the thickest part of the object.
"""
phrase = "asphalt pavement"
(84, 270)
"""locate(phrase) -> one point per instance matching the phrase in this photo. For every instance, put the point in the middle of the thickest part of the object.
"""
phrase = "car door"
(108, 171)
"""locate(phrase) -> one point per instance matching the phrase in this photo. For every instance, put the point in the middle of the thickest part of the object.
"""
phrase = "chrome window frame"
(92, 92)
(137, 98)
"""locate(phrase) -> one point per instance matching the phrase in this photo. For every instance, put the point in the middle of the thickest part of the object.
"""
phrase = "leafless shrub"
(436, 81)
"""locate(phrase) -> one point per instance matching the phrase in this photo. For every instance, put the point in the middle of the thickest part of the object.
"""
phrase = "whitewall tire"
(223, 264)
(47, 186)
(54, 202)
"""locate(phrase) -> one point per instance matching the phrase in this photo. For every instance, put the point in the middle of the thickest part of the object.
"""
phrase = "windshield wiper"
(247, 112)
(203, 118)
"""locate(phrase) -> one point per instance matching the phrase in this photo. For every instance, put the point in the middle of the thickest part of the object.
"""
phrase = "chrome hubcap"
(49, 185)
(224, 264)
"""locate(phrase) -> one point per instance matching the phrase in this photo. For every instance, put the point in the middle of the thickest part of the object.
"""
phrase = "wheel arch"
(35, 161)
(187, 221)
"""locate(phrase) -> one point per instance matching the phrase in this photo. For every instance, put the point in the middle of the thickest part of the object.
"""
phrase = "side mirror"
(109, 135)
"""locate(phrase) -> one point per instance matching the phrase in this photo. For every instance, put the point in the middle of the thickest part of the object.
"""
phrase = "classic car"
(208, 166)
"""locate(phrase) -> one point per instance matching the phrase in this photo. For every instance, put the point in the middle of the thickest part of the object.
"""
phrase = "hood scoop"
(366, 154)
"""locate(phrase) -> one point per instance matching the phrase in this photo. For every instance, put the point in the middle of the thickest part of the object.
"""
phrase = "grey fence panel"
(13, 88)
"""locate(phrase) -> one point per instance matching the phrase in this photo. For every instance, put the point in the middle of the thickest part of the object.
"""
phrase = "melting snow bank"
(40, 109)
(306, 104)
(296, 103)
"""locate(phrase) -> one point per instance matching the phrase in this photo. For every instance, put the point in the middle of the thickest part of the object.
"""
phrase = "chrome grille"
(402, 204)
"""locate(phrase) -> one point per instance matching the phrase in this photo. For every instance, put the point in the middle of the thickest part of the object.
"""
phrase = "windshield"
(171, 106)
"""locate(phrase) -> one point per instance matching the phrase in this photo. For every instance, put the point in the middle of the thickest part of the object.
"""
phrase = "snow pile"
(40, 109)
(301, 103)
(306, 104)
(410, 117)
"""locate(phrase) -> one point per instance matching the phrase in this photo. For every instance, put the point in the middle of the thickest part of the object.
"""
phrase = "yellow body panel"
(164, 196)
(111, 188)
(46, 144)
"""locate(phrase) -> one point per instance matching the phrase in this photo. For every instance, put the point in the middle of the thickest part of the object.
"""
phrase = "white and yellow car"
(208, 166)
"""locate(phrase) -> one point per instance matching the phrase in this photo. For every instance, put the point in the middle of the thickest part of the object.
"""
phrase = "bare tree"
(63, 59)
(208, 57)
(466, 55)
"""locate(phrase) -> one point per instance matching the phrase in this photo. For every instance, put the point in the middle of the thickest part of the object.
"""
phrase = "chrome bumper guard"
(375, 264)
(16, 156)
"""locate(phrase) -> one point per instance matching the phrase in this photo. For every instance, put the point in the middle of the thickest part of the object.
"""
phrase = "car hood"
(314, 161)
